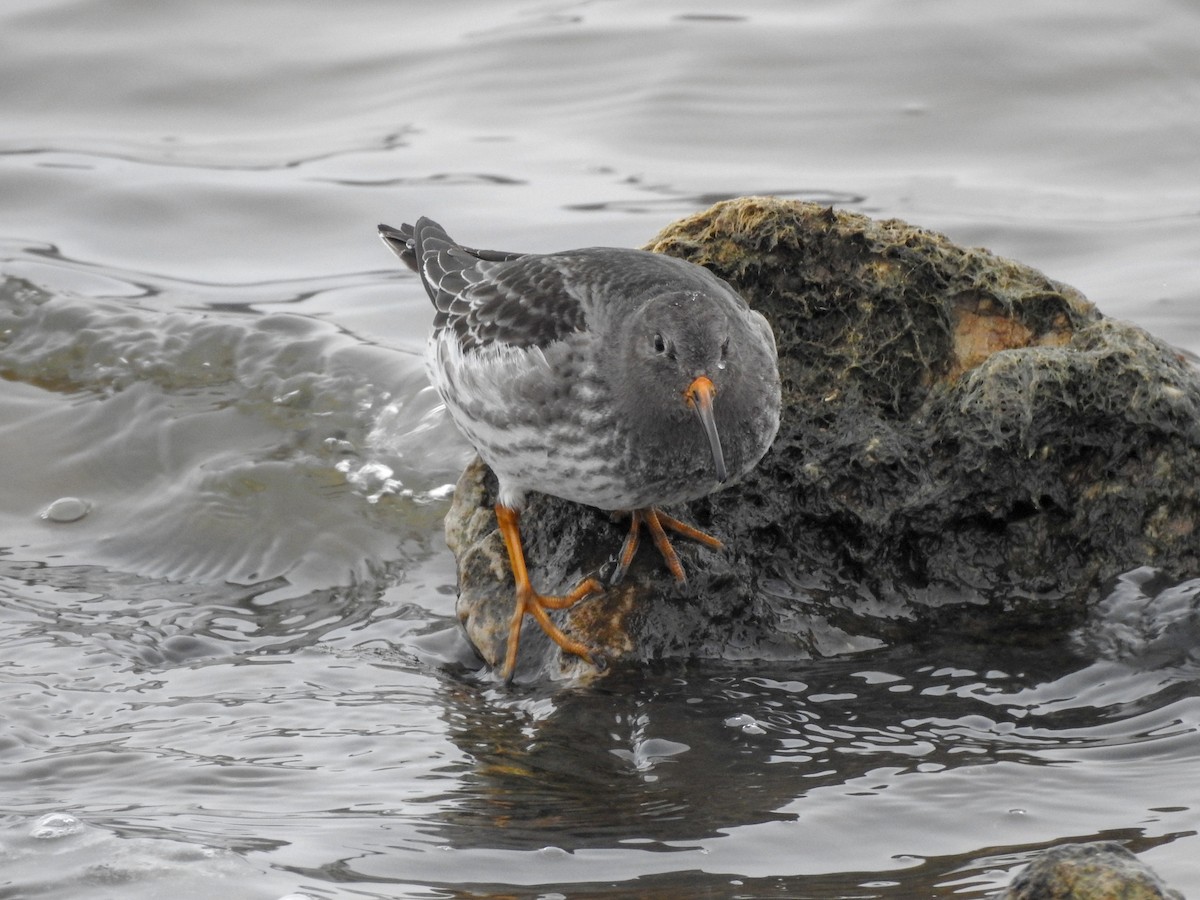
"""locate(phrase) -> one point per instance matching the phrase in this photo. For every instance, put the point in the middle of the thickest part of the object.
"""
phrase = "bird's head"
(676, 361)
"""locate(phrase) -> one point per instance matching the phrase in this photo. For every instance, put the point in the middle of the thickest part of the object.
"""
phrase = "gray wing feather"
(488, 296)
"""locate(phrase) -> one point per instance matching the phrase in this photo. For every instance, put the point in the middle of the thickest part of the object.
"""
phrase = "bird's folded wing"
(522, 302)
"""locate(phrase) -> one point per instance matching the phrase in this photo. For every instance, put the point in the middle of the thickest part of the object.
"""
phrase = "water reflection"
(914, 767)
(689, 752)
(689, 758)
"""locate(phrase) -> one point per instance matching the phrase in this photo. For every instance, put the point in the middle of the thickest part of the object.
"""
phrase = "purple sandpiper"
(615, 378)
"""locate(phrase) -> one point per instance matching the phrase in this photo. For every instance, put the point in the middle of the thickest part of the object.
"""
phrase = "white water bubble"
(67, 509)
(55, 825)
(746, 722)
(441, 492)
(371, 479)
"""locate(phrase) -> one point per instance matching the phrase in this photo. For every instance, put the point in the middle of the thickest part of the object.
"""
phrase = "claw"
(529, 601)
(656, 522)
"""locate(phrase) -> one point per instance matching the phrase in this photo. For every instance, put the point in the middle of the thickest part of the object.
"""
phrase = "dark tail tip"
(402, 242)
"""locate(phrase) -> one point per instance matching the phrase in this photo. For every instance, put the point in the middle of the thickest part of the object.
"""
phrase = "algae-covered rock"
(966, 445)
(1100, 871)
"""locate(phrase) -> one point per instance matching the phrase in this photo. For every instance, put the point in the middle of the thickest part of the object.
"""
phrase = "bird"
(614, 378)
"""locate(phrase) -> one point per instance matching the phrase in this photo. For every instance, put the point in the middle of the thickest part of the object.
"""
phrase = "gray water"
(229, 663)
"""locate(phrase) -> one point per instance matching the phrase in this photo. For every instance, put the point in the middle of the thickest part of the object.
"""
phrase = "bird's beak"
(699, 397)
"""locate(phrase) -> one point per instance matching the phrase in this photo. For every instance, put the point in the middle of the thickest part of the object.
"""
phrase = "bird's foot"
(535, 604)
(656, 523)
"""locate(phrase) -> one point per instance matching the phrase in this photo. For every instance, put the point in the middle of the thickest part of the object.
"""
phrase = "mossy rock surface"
(1103, 870)
(967, 447)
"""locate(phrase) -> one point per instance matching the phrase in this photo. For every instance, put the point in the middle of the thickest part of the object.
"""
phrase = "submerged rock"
(1100, 871)
(966, 446)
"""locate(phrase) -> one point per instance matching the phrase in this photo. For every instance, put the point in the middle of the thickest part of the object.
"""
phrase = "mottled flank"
(966, 447)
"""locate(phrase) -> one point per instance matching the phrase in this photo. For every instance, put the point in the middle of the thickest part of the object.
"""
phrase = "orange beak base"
(699, 397)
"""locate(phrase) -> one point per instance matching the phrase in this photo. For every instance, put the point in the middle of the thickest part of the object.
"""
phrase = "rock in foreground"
(1101, 871)
(967, 446)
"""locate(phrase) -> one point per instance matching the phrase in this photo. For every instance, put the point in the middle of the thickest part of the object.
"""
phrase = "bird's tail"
(410, 243)
(401, 241)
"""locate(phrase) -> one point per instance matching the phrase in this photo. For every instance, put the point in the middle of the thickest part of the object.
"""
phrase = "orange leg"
(656, 522)
(530, 601)
(629, 548)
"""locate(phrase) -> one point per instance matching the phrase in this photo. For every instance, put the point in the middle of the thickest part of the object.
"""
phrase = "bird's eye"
(660, 344)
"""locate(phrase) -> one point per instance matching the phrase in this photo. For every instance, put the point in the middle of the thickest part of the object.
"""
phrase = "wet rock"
(967, 447)
(1101, 871)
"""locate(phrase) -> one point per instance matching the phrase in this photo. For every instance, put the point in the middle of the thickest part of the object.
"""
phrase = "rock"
(967, 447)
(1101, 871)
